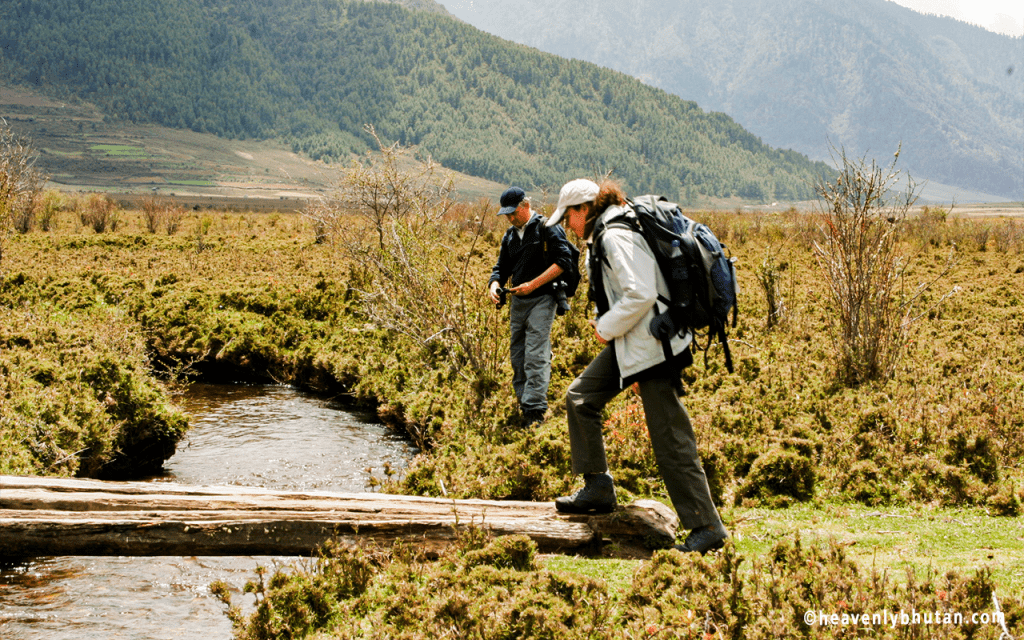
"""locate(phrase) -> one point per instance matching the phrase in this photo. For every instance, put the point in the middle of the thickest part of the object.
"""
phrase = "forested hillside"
(314, 72)
(864, 74)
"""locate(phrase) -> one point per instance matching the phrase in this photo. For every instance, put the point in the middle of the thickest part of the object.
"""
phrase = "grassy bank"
(794, 580)
(244, 296)
(93, 324)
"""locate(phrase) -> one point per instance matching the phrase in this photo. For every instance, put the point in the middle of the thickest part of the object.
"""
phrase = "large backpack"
(701, 279)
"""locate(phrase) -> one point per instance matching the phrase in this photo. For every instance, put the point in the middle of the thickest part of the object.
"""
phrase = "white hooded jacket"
(632, 282)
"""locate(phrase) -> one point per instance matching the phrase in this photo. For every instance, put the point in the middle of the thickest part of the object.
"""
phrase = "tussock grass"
(499, 588)
(249, 296)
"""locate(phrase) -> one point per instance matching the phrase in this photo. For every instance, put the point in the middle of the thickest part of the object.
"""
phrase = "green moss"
(508, 552)
(474, 589)
(977, 453)
(867, 484)
(264, 302)
(777, 476)
(80, 397)
(1006, 502)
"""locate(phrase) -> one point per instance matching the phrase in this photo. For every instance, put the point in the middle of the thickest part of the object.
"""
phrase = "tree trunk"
(61, 516)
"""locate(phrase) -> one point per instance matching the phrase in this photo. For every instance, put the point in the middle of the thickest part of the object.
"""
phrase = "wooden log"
(62, 516)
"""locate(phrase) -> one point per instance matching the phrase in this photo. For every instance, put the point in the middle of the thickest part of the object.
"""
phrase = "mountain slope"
(314, 72)
(865, 75)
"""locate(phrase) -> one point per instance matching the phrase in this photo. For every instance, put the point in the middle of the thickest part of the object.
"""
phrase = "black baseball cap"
(511, 199)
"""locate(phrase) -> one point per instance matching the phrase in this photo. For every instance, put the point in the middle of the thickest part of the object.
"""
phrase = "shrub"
(24, 218)
(773, 596)
(414, 271)
(769, 276)
(977, 454)
(47, 209)
(1005, 502)
(863, 224)
(153, 213)
(384, 192)
(778, 476)
(1008, 235)
(20, 185)
(326, 215)
(867, 484)
(100, 213)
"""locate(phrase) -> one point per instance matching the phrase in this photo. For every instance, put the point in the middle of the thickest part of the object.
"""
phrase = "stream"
(260, 436)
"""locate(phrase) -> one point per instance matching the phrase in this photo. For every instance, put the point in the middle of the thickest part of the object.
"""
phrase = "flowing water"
(271, 437)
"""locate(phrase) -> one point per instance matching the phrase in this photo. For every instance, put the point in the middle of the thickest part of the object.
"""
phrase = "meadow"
(895, 492)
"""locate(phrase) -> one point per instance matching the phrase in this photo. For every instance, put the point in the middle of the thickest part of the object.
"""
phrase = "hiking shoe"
(704, 539)
(531, 418)
(596, 496)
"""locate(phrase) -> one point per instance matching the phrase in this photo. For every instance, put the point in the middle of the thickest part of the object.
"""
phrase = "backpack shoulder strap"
(618, 220)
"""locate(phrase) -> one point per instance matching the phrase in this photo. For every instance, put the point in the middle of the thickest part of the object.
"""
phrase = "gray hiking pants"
(530, 350)
(672, 437)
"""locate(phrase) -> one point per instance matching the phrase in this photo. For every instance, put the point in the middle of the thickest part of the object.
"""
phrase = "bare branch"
(863, 223)
(21, 185)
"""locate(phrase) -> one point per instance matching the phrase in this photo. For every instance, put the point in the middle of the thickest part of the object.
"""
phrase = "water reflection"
(84, 598)
(279, 438)
(272, 437)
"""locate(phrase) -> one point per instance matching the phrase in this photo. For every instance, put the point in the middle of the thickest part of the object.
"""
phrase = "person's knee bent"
(576, 400)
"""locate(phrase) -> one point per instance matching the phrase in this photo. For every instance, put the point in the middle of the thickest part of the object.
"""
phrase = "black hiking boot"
(704, 539)
(532, 417)
(596, 496)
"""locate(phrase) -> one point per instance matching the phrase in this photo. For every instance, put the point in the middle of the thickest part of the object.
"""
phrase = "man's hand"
(524, 289)
(495, 298)
(593, 323)
(527, 288)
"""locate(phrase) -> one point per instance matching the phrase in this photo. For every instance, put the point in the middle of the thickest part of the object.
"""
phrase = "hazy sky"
(1001, 16)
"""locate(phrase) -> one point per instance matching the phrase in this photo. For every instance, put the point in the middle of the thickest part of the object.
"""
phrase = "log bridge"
(42, 516)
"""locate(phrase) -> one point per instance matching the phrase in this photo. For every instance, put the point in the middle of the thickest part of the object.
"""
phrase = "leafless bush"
(24, 219)
(930, 227)
(861, 255)
(769, 276)
(49, 205)
(73, 205)
(153, 213)
(467, 217)
(804, 230)
(173, 215)
(1007, 235)
(160, 215)
(721, 222)
(20, 184)
(387, 186)
(741, 232)
(202, 230)
(413, 269)
(326, 215)
(100, 213)
(981, 231)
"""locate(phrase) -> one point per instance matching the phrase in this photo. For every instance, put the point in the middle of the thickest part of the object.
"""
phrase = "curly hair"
(609, 194)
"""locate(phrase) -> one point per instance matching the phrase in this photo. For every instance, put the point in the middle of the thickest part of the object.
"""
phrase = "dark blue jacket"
(523, 260)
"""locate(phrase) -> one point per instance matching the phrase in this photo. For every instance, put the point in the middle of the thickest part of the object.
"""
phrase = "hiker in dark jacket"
(631, 282)
(532, 256)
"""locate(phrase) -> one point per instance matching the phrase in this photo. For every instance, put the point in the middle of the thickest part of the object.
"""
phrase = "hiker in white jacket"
(626, 285)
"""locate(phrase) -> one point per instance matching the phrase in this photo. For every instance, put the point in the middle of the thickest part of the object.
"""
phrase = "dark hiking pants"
(672, 437)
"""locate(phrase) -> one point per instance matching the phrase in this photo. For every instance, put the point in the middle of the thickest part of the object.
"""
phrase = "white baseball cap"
(573, 193)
